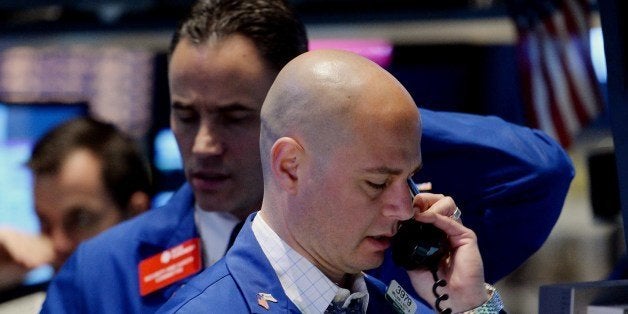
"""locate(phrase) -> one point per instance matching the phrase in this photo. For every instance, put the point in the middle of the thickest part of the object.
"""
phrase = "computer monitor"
(168, 165)
(21, 124)
(582, 297)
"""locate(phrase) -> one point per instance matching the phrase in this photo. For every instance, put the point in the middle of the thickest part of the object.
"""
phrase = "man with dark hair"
(223, 60)
(88, 176)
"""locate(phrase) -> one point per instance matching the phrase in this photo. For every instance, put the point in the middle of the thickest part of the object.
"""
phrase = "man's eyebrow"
(383, 170)
(222, 109)
(388, 170)
(235, 107)
(178, 105)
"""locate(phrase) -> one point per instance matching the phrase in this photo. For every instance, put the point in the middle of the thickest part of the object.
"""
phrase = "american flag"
(561, 91)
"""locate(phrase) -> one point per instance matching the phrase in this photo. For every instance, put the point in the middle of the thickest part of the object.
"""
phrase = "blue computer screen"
(168, 164)
(21, 124)
(166, 151)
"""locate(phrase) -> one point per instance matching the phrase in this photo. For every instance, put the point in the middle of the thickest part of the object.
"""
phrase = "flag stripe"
(526, 70)
(576, 12)
(560, 88)
(576, 82)
(554, 84)
(540, 95)
(558, 84)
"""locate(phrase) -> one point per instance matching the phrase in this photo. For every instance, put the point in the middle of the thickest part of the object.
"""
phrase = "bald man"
(340, 136)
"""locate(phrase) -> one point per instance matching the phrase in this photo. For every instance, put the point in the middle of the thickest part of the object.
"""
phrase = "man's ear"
(286, 154)
(139, 202)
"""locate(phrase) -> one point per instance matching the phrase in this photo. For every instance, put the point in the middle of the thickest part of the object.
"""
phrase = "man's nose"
(62, 244)
(208, 140)
(399, 203)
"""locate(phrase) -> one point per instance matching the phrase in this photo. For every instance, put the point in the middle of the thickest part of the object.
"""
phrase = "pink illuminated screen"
(377, 50)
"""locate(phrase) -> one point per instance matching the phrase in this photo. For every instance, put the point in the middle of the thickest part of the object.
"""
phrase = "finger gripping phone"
(418, 245)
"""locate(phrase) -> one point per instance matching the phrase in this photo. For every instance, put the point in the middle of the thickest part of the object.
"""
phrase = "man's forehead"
(217, 107)
(233, 56)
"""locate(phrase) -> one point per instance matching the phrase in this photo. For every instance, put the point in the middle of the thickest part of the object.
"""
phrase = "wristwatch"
(493, 305)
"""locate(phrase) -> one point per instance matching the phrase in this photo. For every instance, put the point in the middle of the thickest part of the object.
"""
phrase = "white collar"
(306, 286)
(215, 230)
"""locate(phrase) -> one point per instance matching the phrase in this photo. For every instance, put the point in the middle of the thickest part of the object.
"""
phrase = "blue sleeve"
(63, 294)
(509, 181)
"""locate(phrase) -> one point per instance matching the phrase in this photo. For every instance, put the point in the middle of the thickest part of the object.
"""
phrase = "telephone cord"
(439, 298)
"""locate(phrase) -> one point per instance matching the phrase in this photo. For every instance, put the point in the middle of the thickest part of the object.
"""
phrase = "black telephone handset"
(418, 245)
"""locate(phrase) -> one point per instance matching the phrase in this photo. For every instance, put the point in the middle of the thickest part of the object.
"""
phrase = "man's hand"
(463, 269)
(21, 252)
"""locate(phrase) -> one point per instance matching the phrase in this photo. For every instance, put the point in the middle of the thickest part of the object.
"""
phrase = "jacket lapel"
(253, 273)
(168, 226)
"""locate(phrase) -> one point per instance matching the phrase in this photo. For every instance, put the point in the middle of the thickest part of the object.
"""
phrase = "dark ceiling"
(56, 15)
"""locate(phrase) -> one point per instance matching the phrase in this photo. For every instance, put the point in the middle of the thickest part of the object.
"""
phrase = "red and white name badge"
(169, 266)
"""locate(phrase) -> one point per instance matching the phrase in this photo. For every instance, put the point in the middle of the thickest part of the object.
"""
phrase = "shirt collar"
(304, 284)
(214, 229)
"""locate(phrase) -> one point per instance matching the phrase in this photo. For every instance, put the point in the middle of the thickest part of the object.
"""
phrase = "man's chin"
(213, 206)
(218, 205)
(213, 201)
(226, 203)
(371, 262)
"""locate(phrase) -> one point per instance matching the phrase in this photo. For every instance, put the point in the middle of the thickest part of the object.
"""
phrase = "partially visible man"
(223, 60)
(339, 139)
(88, 176)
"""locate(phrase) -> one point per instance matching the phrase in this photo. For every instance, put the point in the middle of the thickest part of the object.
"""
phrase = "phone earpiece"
(418, 245)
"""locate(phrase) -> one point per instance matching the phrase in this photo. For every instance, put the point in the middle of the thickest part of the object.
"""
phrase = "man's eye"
(236, 116)
(80, 220)
(185, 116)
(376, 186)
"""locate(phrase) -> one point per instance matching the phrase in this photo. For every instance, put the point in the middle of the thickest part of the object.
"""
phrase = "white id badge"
(400, 299)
